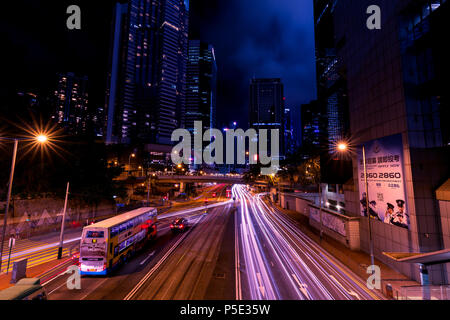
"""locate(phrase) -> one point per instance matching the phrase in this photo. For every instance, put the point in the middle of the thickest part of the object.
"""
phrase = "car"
(179, 225)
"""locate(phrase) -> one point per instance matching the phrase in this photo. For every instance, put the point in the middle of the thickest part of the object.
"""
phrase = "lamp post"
(41, 139)
(372, 260)
(342, 147)
(61, 236)
(129, 162)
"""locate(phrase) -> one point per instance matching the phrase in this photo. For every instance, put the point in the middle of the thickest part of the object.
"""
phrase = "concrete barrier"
(340, 227)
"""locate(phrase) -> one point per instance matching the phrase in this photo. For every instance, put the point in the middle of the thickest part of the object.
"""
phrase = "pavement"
(356, 261)
(38, 271)
(41, 249)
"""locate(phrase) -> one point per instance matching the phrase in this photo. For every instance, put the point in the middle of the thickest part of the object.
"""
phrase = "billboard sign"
(386, 182)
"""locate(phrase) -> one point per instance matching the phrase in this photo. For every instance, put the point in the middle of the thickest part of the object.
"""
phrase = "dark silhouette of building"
(201, 92)
(267, 106)
(71, 103)
(312, 125)
(331, 84)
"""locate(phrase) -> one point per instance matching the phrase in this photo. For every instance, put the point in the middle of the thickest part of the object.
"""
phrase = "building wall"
(444, 207)
(380, 105)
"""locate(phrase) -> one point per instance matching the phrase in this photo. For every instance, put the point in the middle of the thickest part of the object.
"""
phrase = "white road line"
(149, 256)
(301, 286)
(155, 267)
(237, 262)
(93, 289)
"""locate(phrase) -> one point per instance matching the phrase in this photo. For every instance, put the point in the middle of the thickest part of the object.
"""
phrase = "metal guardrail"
(425, 292)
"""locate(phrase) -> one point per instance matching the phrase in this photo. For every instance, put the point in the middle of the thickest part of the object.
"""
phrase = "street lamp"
(41, 138)
(344, 147)
(129, 161)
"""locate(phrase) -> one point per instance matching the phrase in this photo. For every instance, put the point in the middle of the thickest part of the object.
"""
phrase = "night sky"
(261, 38)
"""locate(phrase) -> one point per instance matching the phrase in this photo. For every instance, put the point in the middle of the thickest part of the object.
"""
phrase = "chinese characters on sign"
(385, 178)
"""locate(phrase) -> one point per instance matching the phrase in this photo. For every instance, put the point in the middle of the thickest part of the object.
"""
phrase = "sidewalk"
(32, 272)
(357, 261)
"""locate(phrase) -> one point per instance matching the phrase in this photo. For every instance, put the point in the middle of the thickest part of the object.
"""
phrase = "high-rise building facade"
(201, 85)
(296, 121)
(312, 125)
(147, 83)
(398, 103)
(331, 85)
(71, 103)
(289, 134)
(267, 106)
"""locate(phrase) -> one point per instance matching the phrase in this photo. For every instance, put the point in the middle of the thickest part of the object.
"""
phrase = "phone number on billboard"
(383, 175)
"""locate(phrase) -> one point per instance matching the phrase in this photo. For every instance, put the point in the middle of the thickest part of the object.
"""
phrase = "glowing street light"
(129, 162)
(342, 146)
(41, 138)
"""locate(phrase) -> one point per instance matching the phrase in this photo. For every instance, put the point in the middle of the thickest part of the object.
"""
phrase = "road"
(157, 264)
(244, 250)
(42, 249)
(275, 260)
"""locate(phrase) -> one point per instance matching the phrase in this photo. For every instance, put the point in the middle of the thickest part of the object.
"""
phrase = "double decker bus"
(111, 242)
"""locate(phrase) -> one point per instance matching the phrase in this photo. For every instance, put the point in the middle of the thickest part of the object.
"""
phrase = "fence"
(425, 293)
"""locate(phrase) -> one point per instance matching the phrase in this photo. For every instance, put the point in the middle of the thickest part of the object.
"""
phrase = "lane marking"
(301, 286)
(155, 267)
(149, 256)
(237, 262)
(261, 287)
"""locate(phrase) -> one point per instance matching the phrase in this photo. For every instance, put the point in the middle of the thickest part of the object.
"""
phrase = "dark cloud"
(261, 38)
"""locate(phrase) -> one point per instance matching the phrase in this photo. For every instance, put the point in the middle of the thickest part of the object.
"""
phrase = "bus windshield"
(89, 251)
(95, 234)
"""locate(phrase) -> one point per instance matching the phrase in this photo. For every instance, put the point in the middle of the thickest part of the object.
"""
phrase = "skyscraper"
(267, 106)
(331, 86)
(146, 91)
(312, 124)
(201, 85)
(397, 83)
(71, 103)
(288, 131)
(296, 120)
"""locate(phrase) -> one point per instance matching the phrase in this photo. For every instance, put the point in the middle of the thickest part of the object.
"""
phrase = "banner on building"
(386, 183)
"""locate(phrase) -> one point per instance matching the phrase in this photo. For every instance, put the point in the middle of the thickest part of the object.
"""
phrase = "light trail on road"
(283, 263)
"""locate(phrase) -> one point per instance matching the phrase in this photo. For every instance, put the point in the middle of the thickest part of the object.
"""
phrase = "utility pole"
(367, 206)
(8, 198)
(61, 236)
(148, 190)
(320, 211)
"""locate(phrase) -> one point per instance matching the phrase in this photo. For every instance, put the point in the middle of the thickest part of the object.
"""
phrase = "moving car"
(179, 225)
